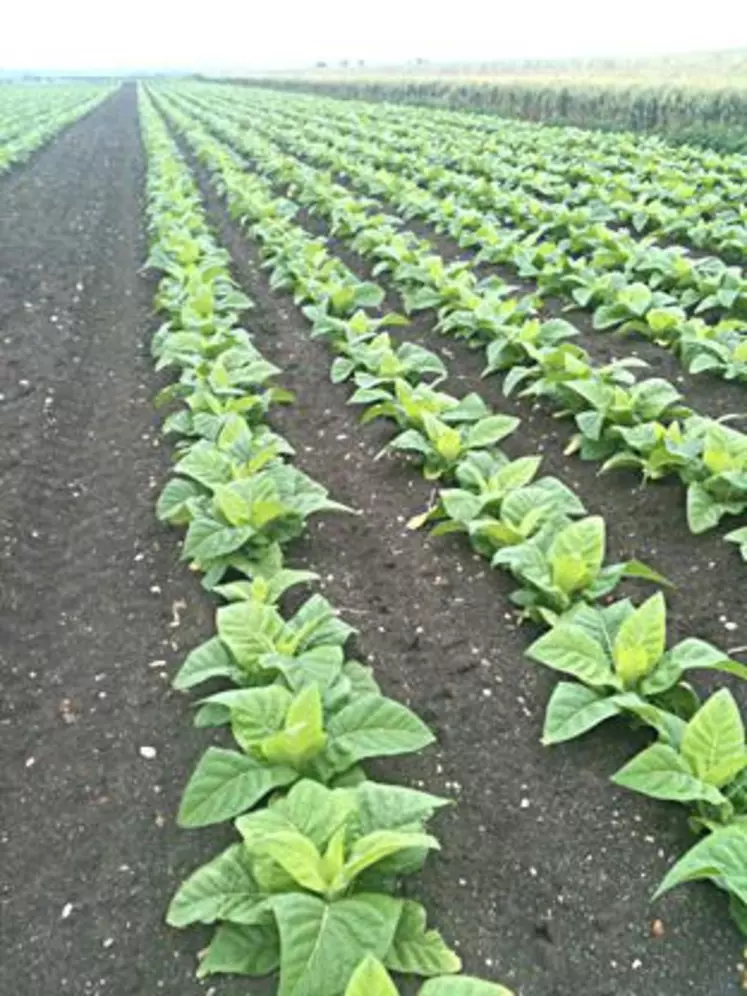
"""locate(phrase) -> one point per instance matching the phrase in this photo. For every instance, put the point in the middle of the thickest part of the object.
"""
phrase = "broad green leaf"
(205, 464)
(373, 726)
(703, 511)
(223, 889)
(226, 783)
(416, 950)
(713, 743)
(394, 807)
(297, 855)
(171, 504)
(490, 430)
(209, 660)
(255, 712)
(242, 950)
(641, 640)
(721, 857)
(375, 847)
(371, 979)
(693, 653)
(249, 629)
(574, 709)
(570, 649)
(232, 505)
(660, 771)
(322, 943)
(313, 809)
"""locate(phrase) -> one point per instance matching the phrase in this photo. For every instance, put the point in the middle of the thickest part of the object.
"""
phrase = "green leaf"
(692, 653)
(209, 660)
(371, 979)
(417, 950)
(375, 847)
(322, 943)
(703, 511)
(660, 772)
(641, 640)
(313, 809)
(393, 807)
(222, 889)
(242, 950)
(713, 743)
(248, 629)
(205, 464)
(574, 709)
(302, 736)
(297, 855)
(570, 649)
(577, 553)
(490, 430)
(226, 783)
(171, 504)
(462, 985)
(374, 726)
(255, 712)
(721, 857)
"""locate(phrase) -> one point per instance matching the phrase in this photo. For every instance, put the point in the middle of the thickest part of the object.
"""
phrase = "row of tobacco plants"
(31, 117)
(311, 888)
(570, 244)
(614, 652)
(620, 421)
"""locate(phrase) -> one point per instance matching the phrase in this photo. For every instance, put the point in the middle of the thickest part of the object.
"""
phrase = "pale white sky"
(238, 35)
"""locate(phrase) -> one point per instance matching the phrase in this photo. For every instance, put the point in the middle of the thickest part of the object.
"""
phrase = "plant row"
(700, 116)
(568, 251)
(37, 118)
(647, 185)
(312, 888)
(533, 527)
(619, 420)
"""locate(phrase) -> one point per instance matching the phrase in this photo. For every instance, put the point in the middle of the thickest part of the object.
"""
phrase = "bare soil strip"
(88, 843)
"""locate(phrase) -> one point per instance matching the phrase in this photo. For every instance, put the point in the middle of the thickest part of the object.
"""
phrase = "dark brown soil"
(89, 585)
(547, 869)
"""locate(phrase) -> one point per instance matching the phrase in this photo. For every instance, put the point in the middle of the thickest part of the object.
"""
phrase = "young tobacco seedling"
(562, 564)
(406, 404)
(310, 729)
(619, 659)
(700, 761)
(442, 446)
(377, 363)
(496, 502)
(254, 640)
(313, 878)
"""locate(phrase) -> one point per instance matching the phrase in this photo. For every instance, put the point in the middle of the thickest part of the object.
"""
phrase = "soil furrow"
(88, 584)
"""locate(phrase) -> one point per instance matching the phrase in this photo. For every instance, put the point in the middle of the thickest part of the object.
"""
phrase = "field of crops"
(374, 531)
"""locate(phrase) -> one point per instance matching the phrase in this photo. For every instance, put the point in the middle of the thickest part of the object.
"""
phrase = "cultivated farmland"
(374, 520)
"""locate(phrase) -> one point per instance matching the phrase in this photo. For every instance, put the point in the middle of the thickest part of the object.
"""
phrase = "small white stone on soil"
(155, 589)
(636, 963)
(108, 942)
(30, 762)
(148, 753)
(157, 664)
(524, 804)
(67, 909)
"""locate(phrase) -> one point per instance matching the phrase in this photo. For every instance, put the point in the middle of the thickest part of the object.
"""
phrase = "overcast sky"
(236, 34)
